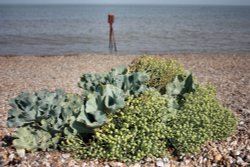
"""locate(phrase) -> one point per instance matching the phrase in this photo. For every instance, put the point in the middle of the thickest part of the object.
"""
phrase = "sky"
(191, 2)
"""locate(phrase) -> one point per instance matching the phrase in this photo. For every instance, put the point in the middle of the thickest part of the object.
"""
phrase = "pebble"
(181, 157)
(62, 160)
(165, 159)
(72, 163)
(217, 157)
(119, 164)
(236, 153)
(35, 163)
(48, 156)
(208, 163)
(214, 164)
(248, 158)
(241, 123)
(136, 165)
(234, 143)
(11, 157)
(201, 161)
(65, 156)
(46, 164)
(231, 159)
(21, 152)
(159, 163)
(142, 162)
(239, 161)
(116, 164)
(84, 164)
(168, 165)
(245, 111)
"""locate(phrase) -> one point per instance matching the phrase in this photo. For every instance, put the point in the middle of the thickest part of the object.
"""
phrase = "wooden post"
(112, 43)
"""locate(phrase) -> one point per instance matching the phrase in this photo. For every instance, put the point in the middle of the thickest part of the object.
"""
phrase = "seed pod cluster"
(161, 70)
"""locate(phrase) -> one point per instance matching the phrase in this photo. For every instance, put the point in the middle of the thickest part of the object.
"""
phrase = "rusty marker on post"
(112, 44)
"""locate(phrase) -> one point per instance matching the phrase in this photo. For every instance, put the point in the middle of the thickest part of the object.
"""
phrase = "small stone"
(234, 143)
(116, 164)
(231, 159)
(229, 149)
(245, 111)
(11, 157)
(248, 148)
(65, 156)
(106, 166)
(142, 162)
(208, 163)
(217, 157)
(167, 165)
(159, 163)
(46, 163)
(214, 164)
(192, 157)
(165, 159)
(182, 164)
(236, 153)
(21, 152)
(25, 163)
(34, 163)
(241, 123)
(245, 164)
(239, 161)
(62, 160)
(203, 161)
(72, 163)
(135, 165)
(242, 156)
(248, 158)
(148, 159)
(84, 164)
(48, 156)
(119, 164)
(181, 157)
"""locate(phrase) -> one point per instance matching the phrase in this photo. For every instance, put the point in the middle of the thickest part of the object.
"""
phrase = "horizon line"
(146, 4)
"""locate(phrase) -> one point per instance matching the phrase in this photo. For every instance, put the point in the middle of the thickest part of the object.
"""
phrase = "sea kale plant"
(57, 115)
(126, 114)
(106, 93)
(43, 117)
(130, 83)
(132, 133)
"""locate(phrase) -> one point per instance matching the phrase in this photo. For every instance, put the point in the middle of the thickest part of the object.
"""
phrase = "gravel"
(230, 73)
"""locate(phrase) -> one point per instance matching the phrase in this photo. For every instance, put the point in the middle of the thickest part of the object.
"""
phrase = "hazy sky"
(210, 2)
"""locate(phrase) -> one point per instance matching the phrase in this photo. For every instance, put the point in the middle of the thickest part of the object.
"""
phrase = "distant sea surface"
(60, 29)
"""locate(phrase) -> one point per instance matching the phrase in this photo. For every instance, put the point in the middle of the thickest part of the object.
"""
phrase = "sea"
(138, 29)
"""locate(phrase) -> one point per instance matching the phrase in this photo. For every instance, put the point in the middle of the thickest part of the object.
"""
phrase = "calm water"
(52, 29)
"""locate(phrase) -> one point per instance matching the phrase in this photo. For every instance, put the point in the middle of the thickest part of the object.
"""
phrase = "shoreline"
(128, 54)
(230, 73)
